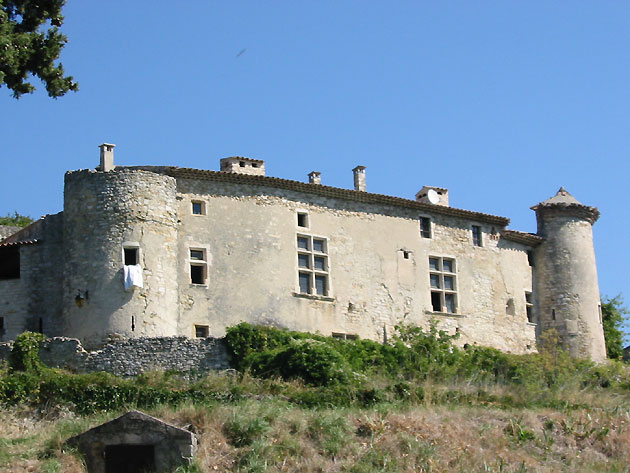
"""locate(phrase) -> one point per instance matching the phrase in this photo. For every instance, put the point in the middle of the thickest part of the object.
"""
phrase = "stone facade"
(217, 248)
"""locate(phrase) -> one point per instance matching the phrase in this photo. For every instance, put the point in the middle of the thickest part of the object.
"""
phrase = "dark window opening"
(241, 164)
(530, 258)
(255, 165)
(129, 458)
(476, 235)
(553, 314)
(425, 227)
(302, 219)
(202, 331)
(197, 208)
(529, 307)
(405, 254)
(436, 301)
(10, 262)
(2, 326)
(133, 323)
(40, 325)
(196, 274)
(131, 256)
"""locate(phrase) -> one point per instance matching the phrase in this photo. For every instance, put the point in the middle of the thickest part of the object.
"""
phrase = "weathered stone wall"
(249, 236)
(103, 213)
(567, 290)
(33, 301)
(6, 230)
(134, 356)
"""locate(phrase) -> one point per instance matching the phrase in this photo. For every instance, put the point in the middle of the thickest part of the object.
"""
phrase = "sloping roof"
(18, 243)
(326, 191)
(522, 237)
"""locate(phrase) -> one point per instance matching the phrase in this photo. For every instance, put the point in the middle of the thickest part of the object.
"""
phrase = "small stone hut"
(135, 442)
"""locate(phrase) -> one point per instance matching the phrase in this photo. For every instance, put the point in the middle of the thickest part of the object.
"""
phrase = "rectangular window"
(425, 227)
(198, 266)
(131, 256)
(476, 235)
(529, 307)
(313, 266)
(202, 331)
(10, 262)
(198, 207)
(345, 336)
(1, 326)
(302, 219)
(443, 283)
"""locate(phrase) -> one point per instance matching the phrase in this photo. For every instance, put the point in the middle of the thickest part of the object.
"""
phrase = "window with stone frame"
(443, 283)
(425, 227)
(529, 307)
(198, 266)
(313, 265)
(198, 207)
(202, 331)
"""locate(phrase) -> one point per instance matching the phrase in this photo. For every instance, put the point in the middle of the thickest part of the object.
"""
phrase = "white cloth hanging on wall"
(132, 275)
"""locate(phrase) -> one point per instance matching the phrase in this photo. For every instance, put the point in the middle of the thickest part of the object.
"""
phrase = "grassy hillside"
(312, 404)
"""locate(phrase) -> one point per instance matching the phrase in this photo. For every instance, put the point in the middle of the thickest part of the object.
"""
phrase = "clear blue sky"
(502, 102)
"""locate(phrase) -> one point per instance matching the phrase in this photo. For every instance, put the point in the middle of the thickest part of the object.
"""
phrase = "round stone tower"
(565, 276)
(115, 219)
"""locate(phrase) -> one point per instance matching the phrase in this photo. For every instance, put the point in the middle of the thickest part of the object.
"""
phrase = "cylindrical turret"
(117, 223)
(565, 276)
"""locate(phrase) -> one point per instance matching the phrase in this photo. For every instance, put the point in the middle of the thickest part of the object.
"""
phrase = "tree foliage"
(16, 220)
(613, 316)
(30, 43)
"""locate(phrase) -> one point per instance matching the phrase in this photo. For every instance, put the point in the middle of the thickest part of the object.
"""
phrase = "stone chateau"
(161, 251)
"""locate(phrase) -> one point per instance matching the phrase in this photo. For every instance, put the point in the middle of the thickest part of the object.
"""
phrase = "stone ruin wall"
(134, 356)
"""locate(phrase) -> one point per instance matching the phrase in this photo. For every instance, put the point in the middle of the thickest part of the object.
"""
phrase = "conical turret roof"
(564, 202)
(561, 197)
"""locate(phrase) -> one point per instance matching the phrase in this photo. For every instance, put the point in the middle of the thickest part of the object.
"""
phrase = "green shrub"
(25, 352)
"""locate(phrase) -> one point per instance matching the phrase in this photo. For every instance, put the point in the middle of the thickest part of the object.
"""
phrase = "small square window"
(302, 220)
(198, 207)
(302, 243)
(202, 331)
(241, 164)
(130, 256)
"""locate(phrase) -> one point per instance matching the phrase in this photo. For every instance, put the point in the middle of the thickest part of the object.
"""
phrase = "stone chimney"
(433, 195)
(315, 177)
(359, 178)
(107, 157)
(241, 165)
